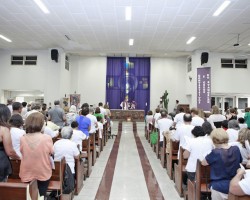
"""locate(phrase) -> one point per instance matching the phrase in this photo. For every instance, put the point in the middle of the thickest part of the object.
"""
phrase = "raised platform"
(127, 115)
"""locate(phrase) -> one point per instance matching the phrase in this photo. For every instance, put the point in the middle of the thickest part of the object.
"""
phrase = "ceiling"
(160, 28)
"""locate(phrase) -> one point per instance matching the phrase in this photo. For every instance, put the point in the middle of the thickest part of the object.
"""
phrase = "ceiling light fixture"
(249, 44)
(190, 40)
(42, 6)
(128, 13)
(131, 42)
(5, 38)
(221, 8)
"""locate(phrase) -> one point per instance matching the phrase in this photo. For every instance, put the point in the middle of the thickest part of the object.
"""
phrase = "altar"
(127, 115)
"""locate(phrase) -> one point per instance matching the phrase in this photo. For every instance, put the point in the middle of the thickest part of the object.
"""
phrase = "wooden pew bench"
(172, 157)
(92, 148)
(79, 175)
(234, 197)
(163, 153)
(14, 191)
(179, 172)
(87, 154)
(200, 186)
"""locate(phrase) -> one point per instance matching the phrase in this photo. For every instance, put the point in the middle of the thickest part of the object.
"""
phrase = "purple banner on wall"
(204, 88)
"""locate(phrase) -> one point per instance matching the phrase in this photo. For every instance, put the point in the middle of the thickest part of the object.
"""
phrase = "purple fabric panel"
(141, 82)
(114, 81)
(204, 88)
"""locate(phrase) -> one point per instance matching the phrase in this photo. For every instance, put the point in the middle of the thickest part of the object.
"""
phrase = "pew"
(179, 172)
(87, 154)
(163, 153)
(200, 186)
(92, 148)
(234, 197)
(157, 145)
(14, 191)
(56, 180)
(172, 157)
(79, 175)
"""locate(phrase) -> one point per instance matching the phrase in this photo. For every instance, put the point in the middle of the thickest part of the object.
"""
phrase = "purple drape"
(115, 89)
(140, 81)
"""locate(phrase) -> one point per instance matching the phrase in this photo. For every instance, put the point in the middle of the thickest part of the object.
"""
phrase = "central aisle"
(128, 170)
(129, 181)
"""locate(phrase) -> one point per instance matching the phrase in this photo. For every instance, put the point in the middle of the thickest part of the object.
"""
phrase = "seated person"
(224, 162)
(78, 136)
(244, 135)
(149, 119)
(196, 148)
(242, 123)
(100, 126)
(240, 186)
(16, 131)
(233, 130)
(66, 148)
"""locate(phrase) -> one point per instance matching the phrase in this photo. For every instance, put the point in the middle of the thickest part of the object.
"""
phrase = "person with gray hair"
(57, 114)
(66, 148)
(233, 130)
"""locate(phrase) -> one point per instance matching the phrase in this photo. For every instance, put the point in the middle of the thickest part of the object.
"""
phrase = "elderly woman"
(216, 118)
(36, 149)
(224, 162)
(233, 130)
(16, 131)
(71, 115)
(6, 149)
(66, 148)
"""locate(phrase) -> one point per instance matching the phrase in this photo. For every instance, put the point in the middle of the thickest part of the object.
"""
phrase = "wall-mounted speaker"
(204, 57)
(54, 55)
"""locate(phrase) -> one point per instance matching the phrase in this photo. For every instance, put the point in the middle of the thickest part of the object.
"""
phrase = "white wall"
(91, 79)
(168, 74)
(47, 76)
(87, 76)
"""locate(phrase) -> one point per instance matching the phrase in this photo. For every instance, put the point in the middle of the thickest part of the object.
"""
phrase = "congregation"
(212, 139)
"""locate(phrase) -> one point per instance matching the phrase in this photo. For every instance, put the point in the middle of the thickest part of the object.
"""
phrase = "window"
(67, 62)
(233, 63)
(189, 64)
(23, 60)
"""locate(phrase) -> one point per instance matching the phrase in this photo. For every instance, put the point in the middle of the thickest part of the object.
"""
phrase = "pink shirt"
(36, 149)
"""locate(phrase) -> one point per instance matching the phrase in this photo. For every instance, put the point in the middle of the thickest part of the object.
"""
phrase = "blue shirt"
(83, 124)
(223, 167)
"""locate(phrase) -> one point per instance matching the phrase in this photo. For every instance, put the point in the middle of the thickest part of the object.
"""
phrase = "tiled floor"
(129, 182)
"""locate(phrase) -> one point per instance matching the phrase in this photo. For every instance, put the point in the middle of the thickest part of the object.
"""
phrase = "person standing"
(36, 149)
(6, 148)
(57, 114)
(124, 104)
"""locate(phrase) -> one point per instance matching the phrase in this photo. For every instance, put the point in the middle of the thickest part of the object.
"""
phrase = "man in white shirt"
(239, 186)
(164, 124)
(93, 120)
(184, 131)
(156, 117)
(103, 110)
(178, 119)
(196, 119)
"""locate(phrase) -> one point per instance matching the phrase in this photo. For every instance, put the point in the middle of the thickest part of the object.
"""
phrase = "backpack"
(68, 181)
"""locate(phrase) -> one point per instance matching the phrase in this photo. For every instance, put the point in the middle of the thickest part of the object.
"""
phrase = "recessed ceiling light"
(131, 42)
(190, 40)
(221, 8)
(128, 13)
(5, 38)
(249, 44)
(42, 6)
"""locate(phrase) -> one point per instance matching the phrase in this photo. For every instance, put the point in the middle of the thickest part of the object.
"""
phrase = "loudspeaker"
(204, 57)
(54, 55)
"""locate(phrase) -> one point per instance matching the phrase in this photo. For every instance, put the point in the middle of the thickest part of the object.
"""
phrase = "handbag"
(153, 137)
